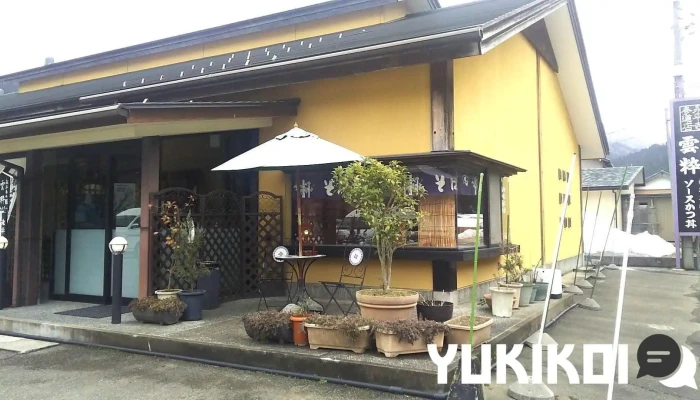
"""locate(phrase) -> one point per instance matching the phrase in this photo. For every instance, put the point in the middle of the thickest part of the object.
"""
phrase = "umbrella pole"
(298, 212)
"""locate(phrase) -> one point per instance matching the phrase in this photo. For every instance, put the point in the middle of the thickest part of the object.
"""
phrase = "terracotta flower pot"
(487, 298)
(459, 330)
(321, 337)
(389, 344)
(375, 305)
(300, 336)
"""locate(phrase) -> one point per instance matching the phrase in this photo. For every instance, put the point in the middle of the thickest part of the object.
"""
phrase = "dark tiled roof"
(609, 178)
(434, 22)
(250, 26)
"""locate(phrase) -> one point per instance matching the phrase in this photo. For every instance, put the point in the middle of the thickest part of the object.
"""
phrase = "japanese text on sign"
(8, 192)
(686, 148)
(689, 118)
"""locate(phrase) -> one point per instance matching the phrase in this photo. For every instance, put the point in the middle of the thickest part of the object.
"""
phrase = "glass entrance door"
(88, 215)
(95, 195)
(126, 221)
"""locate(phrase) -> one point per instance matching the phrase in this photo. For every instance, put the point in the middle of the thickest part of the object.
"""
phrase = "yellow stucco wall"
(377, 113)
(405, 274)
(354, 20)
(496, 116)
(485, 271)
(558, 146)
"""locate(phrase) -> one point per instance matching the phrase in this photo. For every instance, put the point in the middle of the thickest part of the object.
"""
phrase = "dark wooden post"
(27, 273)
(442, 106)
(150, 183)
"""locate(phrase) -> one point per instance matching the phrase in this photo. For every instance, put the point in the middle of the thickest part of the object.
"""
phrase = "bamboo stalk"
(476, 261)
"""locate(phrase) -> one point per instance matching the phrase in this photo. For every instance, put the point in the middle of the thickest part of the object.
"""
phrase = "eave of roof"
(265, 23)
(587, 73)
(455, 157)
(119, 113)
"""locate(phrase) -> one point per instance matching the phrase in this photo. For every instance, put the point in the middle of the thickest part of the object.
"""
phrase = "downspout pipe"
(363, 385)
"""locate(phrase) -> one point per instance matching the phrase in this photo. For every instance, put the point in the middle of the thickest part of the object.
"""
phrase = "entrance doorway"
(93, 194)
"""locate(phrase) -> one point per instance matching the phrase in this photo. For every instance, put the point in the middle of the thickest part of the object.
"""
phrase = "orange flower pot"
(300, 336)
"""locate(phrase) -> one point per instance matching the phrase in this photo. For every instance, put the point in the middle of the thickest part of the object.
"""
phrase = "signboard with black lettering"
(685, 165)
(8, 194)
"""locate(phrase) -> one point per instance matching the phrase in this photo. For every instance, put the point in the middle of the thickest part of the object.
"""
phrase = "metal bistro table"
(301, 265)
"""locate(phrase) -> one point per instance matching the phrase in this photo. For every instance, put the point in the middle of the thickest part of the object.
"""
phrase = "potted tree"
(511, 263)
(273, 326)
(386, 198)
(187, 267)
(170, 216)
(156, 311)
(501, 298)
(339, 332)
(408, 336)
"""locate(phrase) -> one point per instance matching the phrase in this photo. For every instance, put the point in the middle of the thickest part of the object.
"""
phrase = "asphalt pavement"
(656, 301)
(75, 373)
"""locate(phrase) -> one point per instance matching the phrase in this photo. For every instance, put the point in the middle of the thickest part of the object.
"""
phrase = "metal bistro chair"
(267, 278)
(352, 276)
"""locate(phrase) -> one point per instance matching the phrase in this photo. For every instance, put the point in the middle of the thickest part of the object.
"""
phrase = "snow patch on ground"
(641, 245)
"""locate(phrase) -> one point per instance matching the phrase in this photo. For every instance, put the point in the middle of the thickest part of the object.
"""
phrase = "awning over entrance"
(133, 120)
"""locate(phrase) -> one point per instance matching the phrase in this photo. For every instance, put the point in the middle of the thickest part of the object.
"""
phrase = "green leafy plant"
(185, 239)
(410, 330)
(303, 306)
(350, 326)
(265, 325)
(386, 197)
(511, 262)
(169, 305)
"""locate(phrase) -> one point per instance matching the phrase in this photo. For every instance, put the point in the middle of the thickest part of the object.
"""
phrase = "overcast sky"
(629, 44)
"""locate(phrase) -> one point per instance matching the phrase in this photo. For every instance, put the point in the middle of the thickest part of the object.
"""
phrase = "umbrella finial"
(296, 125)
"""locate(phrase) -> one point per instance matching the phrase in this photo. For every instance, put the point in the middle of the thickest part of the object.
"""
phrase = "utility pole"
(678, 79)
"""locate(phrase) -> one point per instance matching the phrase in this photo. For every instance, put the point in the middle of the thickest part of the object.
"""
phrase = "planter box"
(327, 338)
(459, 330)
(388, 343)
(161, 318)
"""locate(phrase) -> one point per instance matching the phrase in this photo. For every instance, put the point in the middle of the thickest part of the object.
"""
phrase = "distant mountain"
(654, 159)
(619, 149)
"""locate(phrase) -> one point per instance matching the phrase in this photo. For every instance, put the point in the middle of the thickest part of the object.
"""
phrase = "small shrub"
(169, 305)
(411, 330)
(350, 326)
(264, 325)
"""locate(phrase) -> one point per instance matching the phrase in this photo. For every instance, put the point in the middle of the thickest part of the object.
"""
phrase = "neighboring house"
(604, 201)
(654, 207)
(495, 87)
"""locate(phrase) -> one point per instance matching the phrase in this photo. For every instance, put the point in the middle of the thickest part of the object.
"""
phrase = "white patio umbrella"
(292, 150)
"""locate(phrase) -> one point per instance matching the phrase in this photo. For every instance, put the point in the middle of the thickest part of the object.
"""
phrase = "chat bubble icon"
(658, 356)
(685, 376)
